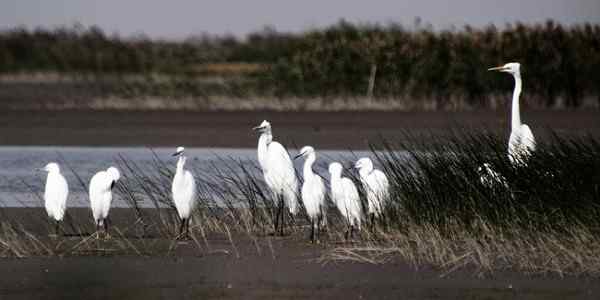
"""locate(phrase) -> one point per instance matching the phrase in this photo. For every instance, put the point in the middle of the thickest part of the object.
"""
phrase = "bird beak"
(257, 128)
(176, 154)
(298, 156)
(38, 169)
(500, 69)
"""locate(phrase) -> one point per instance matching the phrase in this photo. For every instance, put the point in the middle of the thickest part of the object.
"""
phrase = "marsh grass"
(544, 218)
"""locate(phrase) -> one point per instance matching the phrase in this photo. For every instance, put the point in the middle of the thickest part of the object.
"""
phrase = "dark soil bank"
(263, 267)
(333, 130)
(290, 276)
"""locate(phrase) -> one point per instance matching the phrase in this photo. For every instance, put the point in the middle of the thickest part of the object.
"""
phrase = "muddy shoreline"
(268, 267)
(325, 130)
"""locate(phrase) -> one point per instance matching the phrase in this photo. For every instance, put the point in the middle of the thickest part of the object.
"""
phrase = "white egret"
(376, 187)
(313, 192)
(101, 186)
(279, 173)
(345, 196)
(521, 142)
(184, 192)
(55, 194)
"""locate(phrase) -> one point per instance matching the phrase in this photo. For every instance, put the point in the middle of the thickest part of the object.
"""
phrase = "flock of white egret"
(280, 177)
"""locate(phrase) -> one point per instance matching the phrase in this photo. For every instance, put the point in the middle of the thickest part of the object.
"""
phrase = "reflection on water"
(22, 185)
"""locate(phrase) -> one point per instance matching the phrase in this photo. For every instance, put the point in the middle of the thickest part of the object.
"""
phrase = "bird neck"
(180, 163)
(308, 165)
(335, 177)
(364, 172)
(516, 111)
(263, 142)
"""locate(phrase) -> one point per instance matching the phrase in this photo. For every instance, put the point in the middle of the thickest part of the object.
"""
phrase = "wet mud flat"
(240, 266)
(324, 130)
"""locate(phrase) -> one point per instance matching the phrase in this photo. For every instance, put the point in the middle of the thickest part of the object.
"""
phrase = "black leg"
(351, 231)
(277, 215)
(312, 231)
(181, 227)
(346, 234)
(322, 221)
(319, 220)
(105, 225)
(57, 228)
(187, 227)
(373, 222)
(385, 222)
(282, 217)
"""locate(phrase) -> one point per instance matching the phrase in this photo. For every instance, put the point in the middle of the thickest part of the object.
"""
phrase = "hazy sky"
(180, 18)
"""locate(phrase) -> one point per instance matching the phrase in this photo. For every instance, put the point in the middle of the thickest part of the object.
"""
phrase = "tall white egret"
(184, 192)
(521, 142)
(313, 192)
(345, 196)
(376, 187)
(55, 194)
(279, 173)
(101, 186)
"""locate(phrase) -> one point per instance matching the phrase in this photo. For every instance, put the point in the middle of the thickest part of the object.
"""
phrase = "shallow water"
(22, 185)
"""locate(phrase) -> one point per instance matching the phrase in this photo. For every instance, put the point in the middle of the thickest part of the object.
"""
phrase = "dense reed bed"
(405, 66)
(542, 217)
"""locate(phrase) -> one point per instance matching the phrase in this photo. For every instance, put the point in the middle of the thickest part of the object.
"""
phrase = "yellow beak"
(500, 68)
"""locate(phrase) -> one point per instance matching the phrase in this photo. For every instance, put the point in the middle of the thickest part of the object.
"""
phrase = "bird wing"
(350, 190)
(527, 139)
(57, 191)
(378, 186)
(321, 189)
(351, 197)
(313, 195)
(190, 183)
(281, 168)
(381, 180)
(354, 204)
(184, 193)
(101, 182)
(100, 197)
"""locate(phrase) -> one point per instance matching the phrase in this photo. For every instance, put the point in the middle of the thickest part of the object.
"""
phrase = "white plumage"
(313, 191)
(521, 142)
(376, 186)
(184, 191)
(55, 193)
(100, 190)
(345, 196)
(278, 171)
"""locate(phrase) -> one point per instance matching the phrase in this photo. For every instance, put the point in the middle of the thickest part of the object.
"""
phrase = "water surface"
(22, 185)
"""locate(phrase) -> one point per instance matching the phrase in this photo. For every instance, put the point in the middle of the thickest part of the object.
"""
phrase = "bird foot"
(183, 238)
(277, 233)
